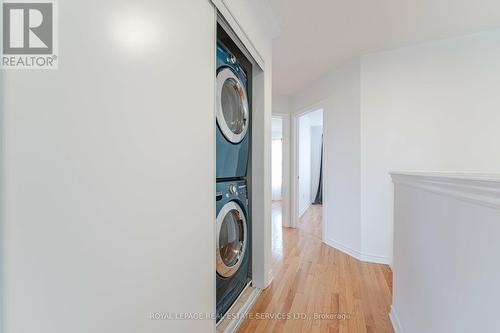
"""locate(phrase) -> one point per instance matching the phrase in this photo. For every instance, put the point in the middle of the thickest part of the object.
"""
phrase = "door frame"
(295, 166)
(285, 171)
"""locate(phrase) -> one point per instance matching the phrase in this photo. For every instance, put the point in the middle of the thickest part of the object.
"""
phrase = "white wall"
(304, 164)
(428, 107)
(338, 94)
(432, 107)
(96, 205)
(316, 139)
(98, 173)
(446, 253)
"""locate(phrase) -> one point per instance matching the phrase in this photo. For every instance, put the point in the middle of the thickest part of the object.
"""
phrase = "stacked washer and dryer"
(233, 248)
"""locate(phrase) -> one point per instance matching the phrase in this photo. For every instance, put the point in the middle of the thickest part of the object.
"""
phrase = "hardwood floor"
(333, 291)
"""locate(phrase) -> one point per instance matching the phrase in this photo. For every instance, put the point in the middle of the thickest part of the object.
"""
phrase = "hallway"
(312, 279)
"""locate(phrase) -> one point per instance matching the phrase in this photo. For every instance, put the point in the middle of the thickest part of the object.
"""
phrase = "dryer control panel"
(232, 189)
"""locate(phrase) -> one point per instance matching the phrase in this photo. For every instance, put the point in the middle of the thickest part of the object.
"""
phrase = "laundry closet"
(242, 221)
(233, 103)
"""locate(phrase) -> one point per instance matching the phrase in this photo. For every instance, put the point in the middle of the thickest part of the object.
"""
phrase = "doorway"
(280, 171)
(277, 161)
(277, 183)
(309, 171)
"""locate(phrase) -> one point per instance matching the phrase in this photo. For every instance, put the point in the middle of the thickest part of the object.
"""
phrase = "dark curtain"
(319, 193)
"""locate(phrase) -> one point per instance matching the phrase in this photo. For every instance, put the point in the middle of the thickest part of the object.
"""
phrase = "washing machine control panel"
(232, 190)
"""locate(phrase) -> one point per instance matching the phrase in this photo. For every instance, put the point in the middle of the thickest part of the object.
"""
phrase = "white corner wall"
(337, 94)
(433, 106)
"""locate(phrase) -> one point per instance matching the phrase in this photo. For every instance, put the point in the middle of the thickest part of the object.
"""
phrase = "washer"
(233, 116)
(232, 243)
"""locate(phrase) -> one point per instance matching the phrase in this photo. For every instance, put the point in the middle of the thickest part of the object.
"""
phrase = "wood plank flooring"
(333, 291)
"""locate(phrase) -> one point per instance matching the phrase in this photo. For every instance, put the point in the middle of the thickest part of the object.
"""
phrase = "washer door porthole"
(231, 239)
(232, 106)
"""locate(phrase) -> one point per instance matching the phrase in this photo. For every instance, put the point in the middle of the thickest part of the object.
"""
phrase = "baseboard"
(343, 248)
(240, 316)
(366, 257)
(396, 324)
(304, 210)
(376, 259)
(270, 277)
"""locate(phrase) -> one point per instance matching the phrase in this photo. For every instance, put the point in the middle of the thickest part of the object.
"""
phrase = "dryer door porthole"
(232, 106)
(231, 239)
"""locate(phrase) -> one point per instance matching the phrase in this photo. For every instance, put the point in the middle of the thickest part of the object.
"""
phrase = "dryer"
(232, 243)
(233, 116)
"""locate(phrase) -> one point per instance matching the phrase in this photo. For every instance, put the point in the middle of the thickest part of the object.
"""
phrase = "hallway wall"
(433, 106)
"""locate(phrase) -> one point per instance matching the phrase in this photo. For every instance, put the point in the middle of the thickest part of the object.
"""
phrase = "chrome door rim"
(222, 268)
(222, 76)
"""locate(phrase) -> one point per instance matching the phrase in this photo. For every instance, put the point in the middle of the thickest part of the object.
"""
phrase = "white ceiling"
(317, 35)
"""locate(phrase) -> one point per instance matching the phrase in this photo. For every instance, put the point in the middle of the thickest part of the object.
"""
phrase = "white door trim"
(285, 183)
(235, 25)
